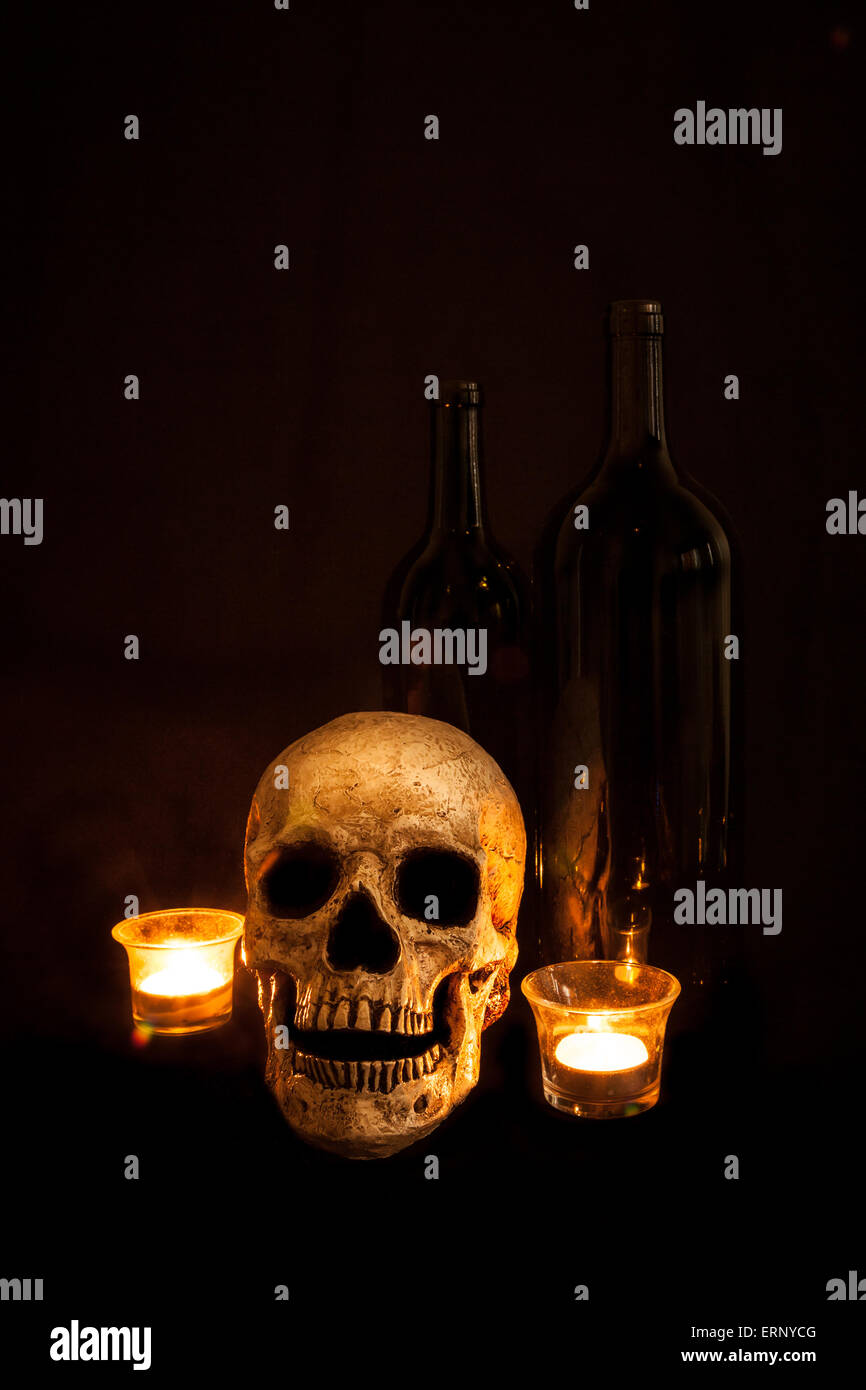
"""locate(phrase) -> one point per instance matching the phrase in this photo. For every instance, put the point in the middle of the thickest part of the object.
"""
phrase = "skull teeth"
(363, 1013)
(367, 1076)
(411, 1021)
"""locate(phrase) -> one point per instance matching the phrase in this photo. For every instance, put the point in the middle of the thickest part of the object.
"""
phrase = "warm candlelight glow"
(186, 974)
(181, 968)
(601, 1051)
(601, 1028)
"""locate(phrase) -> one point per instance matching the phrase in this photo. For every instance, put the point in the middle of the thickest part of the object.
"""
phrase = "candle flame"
(187, 974)
(601, 1051)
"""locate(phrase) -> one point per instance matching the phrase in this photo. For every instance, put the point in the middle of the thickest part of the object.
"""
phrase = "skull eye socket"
(298, 879)
(437, 885)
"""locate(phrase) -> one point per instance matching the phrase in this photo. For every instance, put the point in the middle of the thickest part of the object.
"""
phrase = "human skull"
(384, 864)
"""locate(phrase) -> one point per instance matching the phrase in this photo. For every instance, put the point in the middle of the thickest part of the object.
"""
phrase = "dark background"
(305, 387)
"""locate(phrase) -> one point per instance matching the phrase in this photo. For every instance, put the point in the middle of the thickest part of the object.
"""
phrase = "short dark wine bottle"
(457, 581)
(639, 715)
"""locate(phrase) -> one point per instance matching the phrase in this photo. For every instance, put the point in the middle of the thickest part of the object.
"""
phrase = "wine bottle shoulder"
(640, 514)
(463, 582)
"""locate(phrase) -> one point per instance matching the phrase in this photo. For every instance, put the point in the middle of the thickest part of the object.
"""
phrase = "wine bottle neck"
(458, 490)
(637, 424)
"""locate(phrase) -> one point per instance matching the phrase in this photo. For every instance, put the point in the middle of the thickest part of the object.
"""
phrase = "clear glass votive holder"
(181, 967)
(601, 1029)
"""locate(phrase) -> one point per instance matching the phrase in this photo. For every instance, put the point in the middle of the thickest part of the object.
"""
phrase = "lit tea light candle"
(184, 993)
(601, 1027)
(601, 1051)
(181, 967)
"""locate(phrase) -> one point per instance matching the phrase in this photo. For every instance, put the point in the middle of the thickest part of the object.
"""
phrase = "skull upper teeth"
(363, 1013)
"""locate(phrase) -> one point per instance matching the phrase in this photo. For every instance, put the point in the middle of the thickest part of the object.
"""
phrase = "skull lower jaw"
(362, 1123)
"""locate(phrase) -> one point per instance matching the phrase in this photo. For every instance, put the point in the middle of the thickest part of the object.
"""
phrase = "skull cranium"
(384, 862)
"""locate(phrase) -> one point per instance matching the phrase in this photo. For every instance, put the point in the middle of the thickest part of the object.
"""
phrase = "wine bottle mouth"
(634, 318)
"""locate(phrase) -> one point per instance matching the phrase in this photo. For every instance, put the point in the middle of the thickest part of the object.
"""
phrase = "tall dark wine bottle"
(458, 581)
(640, 769)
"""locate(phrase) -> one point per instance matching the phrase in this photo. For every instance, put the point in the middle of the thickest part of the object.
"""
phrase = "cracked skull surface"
(384, 863)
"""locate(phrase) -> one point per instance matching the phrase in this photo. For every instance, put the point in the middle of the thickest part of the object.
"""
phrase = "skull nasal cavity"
(360, 940)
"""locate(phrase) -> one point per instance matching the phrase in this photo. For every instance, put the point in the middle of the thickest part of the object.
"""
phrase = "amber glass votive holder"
(181, 967)
(601, 1030)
